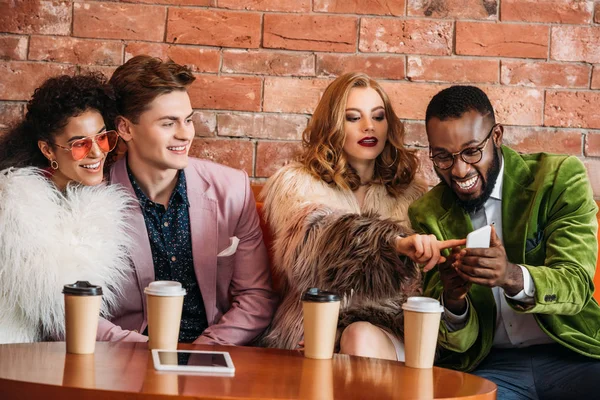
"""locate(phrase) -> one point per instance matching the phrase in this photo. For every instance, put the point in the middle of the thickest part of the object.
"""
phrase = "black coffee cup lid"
(319, 296)
(82, 288)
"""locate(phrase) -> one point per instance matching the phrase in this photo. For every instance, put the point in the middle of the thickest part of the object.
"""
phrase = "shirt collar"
(179, 193)
(497, 191)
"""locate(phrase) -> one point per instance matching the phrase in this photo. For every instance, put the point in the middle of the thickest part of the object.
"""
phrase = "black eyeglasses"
(470, 155)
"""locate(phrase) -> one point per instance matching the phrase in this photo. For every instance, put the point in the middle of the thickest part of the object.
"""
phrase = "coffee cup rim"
(82, 288)
(165, 288)
(316, 295)
(422, 304)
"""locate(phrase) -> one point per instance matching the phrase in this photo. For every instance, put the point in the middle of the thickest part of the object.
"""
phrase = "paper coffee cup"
(165, 304)
(82, 311)
(321, 311)
(421, 327)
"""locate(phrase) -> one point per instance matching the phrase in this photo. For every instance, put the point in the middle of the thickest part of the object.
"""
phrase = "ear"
(124, 128)
(498, 134)
(46, 150)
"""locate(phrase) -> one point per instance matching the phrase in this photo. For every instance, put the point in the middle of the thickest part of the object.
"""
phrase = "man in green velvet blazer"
(521, 312)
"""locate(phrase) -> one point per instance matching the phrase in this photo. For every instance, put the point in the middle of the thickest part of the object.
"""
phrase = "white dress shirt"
(512, 329)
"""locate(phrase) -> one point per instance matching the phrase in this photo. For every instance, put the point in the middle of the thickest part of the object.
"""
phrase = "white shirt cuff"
(455, 322)
(527, 294)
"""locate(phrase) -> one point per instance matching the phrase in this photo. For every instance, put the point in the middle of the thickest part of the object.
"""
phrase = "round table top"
(125, 371)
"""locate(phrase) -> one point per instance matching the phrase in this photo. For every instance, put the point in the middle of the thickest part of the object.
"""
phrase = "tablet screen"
(192, 359)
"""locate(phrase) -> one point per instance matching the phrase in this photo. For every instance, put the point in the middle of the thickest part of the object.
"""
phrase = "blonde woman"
(339, 220)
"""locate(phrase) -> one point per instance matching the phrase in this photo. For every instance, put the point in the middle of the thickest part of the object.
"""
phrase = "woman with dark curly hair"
(339, 220)
(58, 223)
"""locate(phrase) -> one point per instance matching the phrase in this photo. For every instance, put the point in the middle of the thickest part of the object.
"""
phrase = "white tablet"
(196, 361)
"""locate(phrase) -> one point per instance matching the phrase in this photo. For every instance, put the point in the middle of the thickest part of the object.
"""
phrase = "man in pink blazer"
(196, 222)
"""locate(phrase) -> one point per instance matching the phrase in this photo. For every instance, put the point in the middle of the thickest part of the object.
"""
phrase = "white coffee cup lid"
(165, 288)
(422, 304)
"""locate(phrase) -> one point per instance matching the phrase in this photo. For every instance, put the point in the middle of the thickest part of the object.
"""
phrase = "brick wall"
(263, 64)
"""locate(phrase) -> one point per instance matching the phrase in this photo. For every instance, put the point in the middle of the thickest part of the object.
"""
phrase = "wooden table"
(125, 371)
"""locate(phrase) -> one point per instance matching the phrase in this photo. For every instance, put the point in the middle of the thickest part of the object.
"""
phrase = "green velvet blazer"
(549, 226)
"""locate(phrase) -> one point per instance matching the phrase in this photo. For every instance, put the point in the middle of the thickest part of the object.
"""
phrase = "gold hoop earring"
(393, 162)
(54, 164)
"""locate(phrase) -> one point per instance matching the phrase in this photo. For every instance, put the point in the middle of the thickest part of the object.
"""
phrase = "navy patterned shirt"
(171, 245)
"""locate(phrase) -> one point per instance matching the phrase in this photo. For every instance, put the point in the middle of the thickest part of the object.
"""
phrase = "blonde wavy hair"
(323, 141)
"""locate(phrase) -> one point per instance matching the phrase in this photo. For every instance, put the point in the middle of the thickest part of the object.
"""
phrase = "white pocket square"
(233, 244)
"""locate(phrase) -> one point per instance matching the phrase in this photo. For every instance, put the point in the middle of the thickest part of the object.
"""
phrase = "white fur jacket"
(49, 239)
(322, 238)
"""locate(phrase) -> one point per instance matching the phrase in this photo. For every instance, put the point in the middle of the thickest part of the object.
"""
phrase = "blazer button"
(548, 298)
(553, 297)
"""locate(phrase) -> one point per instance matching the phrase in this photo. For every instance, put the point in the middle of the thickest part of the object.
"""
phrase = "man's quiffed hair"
(454, 101)
(143, 78)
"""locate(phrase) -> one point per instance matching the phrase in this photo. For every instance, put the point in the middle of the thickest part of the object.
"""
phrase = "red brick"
(513, 105)
(213, 28)
(535, 139)
(544, 74)
(592, 144)
(10, 115)
(387, 35)
(559, 11)
(310, 32)
(233, 153)
(572, 109)
(226, 93)
(262, 126)
(596, 77)
(205, 3)
(373, 7)
(105, 70)
(75, 51)
(268, 63)
(593, 169)
(293, 95)
(270, 156)
(597, 13)
(575, 43)
(435, 69)
(410, 100)
(415, 134)
(205, 123)
(454, 9)
(43, 17)
(19, 79)
(198, 59)
(426, 170)
(516, 105)
(119, 21)
(504, 40)
(13, 47)
(376, 66)
(267, 5)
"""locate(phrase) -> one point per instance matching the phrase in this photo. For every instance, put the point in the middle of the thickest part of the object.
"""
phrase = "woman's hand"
(425, 249)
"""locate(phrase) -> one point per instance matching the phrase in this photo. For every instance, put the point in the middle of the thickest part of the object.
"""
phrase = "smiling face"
(471, 183)
(365, 126)
(87, 171)
(161, 139)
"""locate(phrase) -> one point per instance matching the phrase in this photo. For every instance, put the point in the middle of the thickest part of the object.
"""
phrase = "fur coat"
(48, 239)
(322, 238)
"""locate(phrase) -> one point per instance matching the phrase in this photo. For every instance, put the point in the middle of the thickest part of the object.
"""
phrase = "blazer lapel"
(203, 228)
(518, 198)
(455, 223)
(141, 253)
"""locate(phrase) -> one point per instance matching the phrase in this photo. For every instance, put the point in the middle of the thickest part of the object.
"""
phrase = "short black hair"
(454, 101)
(52, 104)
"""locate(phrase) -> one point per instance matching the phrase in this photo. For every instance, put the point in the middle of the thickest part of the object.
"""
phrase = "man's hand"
(490, 267)
(455, 287)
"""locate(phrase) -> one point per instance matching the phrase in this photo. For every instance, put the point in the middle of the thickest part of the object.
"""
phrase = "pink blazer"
(236, 289)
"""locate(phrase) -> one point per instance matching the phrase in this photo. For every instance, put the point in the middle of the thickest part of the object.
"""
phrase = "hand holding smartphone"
(480, 238)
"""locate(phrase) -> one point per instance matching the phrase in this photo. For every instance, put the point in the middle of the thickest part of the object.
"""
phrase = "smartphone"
(480, 238)
(196, 361)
